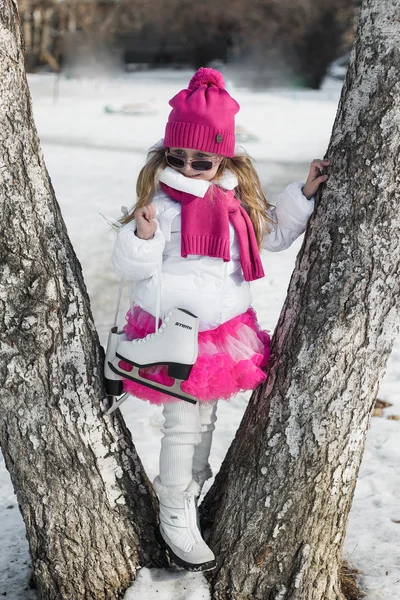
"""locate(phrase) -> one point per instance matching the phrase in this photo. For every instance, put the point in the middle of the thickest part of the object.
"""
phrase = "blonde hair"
(248, 191)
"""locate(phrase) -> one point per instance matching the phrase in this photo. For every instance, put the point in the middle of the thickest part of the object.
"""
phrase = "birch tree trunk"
(87, 504)
(279, 506)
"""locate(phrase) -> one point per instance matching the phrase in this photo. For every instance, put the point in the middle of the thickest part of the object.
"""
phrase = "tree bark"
(279, 506)
(87, 504)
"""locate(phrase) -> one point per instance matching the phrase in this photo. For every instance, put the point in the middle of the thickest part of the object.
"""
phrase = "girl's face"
(197, 156)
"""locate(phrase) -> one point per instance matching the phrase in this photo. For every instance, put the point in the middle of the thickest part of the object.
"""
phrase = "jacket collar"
(196, 187)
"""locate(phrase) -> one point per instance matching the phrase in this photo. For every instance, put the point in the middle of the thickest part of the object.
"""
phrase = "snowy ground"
(93, 159)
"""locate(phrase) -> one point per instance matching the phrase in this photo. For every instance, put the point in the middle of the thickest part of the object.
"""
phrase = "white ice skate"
(113, 382)
(175, 345)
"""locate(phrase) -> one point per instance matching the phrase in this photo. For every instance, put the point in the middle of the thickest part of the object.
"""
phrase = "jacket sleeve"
(134, 258)
(290, 217)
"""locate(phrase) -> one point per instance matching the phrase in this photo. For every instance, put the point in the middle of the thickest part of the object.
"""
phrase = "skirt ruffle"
(231, 359)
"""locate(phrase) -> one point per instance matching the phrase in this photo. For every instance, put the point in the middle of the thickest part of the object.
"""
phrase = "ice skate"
(178, 531)
(113, 381)
(175, 345)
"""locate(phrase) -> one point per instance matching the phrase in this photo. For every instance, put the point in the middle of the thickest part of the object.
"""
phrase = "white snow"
(93, 159)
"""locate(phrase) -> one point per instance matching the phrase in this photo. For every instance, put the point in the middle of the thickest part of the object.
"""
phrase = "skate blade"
(116, 403)
(173, 390)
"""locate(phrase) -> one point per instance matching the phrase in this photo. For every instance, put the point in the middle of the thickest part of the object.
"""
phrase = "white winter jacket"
(212, 289)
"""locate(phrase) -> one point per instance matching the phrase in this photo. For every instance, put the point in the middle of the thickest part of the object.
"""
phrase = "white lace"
(151, 336)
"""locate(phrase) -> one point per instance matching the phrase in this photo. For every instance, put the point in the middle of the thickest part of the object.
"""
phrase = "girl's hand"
(315, 177)
(146, 223)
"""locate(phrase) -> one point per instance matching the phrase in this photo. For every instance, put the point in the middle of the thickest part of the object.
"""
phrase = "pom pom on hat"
(203, 115)
(208, 77)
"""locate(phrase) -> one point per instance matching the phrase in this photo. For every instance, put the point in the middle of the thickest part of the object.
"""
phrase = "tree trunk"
(88, 506)
(279, 506)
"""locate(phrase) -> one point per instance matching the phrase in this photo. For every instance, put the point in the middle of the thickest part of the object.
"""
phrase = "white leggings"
(186, 444)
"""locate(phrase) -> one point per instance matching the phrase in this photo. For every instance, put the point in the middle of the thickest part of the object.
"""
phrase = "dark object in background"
(337, 69)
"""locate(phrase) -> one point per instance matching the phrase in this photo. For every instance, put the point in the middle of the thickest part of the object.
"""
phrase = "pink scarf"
(205, 227)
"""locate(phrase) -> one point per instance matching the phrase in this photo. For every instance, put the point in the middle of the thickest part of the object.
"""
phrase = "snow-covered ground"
(93, 159)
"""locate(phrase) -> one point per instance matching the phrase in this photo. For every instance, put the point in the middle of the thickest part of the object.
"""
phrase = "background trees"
(270, 39)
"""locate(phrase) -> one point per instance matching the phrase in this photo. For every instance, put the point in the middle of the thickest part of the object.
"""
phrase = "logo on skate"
(182, 325)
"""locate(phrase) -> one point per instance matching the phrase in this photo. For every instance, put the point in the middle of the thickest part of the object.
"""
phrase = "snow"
(162, 584)
(93, 159)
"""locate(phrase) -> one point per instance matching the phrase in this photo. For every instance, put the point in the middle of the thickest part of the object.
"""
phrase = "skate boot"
(175, 345)
(178, 531)
(113, 381)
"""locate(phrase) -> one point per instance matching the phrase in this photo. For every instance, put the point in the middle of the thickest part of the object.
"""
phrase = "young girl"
(195, 233)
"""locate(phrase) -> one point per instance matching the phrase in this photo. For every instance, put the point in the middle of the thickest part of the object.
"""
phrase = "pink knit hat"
(203, 116)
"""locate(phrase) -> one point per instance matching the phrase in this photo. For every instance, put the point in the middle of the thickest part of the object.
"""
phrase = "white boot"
(178, 531)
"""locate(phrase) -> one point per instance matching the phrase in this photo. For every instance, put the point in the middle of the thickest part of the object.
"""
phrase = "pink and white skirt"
(231, 359)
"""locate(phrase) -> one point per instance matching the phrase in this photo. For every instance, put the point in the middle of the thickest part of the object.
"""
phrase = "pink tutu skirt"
(231, 359)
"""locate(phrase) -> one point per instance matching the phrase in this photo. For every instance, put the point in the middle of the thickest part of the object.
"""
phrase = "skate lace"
(151, 336)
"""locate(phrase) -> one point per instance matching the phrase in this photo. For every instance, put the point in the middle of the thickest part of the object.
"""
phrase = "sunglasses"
(197, 164)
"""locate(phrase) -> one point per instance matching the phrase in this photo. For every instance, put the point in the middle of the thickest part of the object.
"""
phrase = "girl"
(201, 214)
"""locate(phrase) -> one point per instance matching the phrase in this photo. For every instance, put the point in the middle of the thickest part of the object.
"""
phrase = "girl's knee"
(181, 418)
(173, 437)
